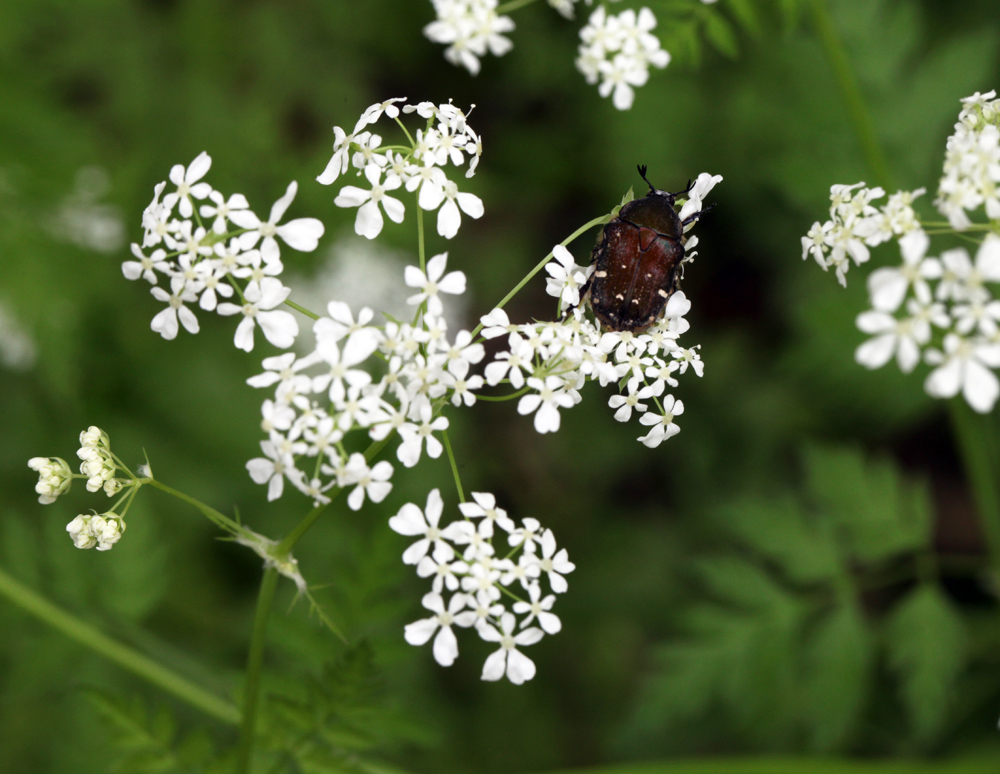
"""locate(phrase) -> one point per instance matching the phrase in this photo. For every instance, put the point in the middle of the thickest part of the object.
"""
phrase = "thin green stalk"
(122, 655)
(255, 662)
(301, 309)
(977, 446)
(454, 465)
(288, 542)
(216, 517)
(421, 252)
(541, 264)
(513, 5)
(850, 93)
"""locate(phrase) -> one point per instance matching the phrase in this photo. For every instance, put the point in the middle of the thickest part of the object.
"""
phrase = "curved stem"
(122, 655)
(850, 93)
(454, 465)
(255, 662)
(216, 517)
(977, 446)
(538, 267)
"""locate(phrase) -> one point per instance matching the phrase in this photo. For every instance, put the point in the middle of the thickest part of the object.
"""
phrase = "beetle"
(637, 261)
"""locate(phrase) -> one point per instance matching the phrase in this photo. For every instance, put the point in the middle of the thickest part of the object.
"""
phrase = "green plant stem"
(541, 264)
(298, 308)
(288, 542)
(122, 655)
(977, 446)
(420, 240)
(454, 465)
(850, 93)
(255, 662)
(513, 5)
(216, 517)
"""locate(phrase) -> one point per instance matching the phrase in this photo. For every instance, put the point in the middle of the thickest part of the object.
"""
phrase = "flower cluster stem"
(255, 663)
(850, 92)
(454, 465)
(122, 655)
(977, 447)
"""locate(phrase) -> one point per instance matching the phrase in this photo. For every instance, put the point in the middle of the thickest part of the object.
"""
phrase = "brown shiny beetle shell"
(637, 262)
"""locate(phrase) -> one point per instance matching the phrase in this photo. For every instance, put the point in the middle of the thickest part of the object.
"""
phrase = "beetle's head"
(654, 191)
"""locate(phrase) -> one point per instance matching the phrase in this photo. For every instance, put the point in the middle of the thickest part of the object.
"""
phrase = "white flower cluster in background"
(942, 311)
(505, 599)
(618, 50)
(216, 251)
(99, 466)
(17, 346)
(856, 224)
(82, 219)
(470, 29)
(322, 396)
(445, 138)
(971, 177)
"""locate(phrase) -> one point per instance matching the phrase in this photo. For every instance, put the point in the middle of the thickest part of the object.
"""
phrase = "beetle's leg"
(693, 218)
(690, 185)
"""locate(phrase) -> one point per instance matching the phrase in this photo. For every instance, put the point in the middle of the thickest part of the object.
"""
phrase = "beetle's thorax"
(654, 211)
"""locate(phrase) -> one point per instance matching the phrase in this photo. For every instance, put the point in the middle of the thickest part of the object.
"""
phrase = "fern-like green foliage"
(147, 741)
(790, 616)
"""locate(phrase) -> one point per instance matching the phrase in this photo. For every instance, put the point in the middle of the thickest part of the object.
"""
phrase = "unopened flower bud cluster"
(446, 138)
(216, 253)
(616, 50)
(99, 466)
(943, 311)
(506, 599)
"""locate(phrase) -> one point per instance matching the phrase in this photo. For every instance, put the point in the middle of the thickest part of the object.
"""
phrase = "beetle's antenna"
(642, 174)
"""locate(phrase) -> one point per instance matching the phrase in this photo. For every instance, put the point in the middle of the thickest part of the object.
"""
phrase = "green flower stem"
(541, 264)
(454, 465)
(301, 309)
(255, 662)
(977, 446)
(122, 655)
(513, 5)
(850, 93)
(293, 537)
(219, 519)
(420, 240)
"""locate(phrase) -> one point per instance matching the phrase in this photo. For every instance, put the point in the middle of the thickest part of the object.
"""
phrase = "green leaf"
(880, 514)
(746, 13)
(720, 34)
(837, 678)
(926, 646)
(781, 530)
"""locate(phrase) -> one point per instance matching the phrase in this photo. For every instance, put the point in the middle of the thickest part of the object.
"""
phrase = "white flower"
(301, 234)
(887, 287)
(508, 659)
(551, 395)
(965, 366)
(369, 220)
(279, 327)
(662, 425)
(433, 282)
(187, 184)
(555, 563)
(165, 322)
(485, 506)
(445, 643)
(449, 217)
(373, 481)
(272, 468)
(565, 277)
(413, 437)
(904, 338)
(539, 608)
(412, 521)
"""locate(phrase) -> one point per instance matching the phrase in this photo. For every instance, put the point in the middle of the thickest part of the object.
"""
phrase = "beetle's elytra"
(637, 261)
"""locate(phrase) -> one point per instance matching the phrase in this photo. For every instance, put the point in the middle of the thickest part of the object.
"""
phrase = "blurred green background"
(799, 574)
